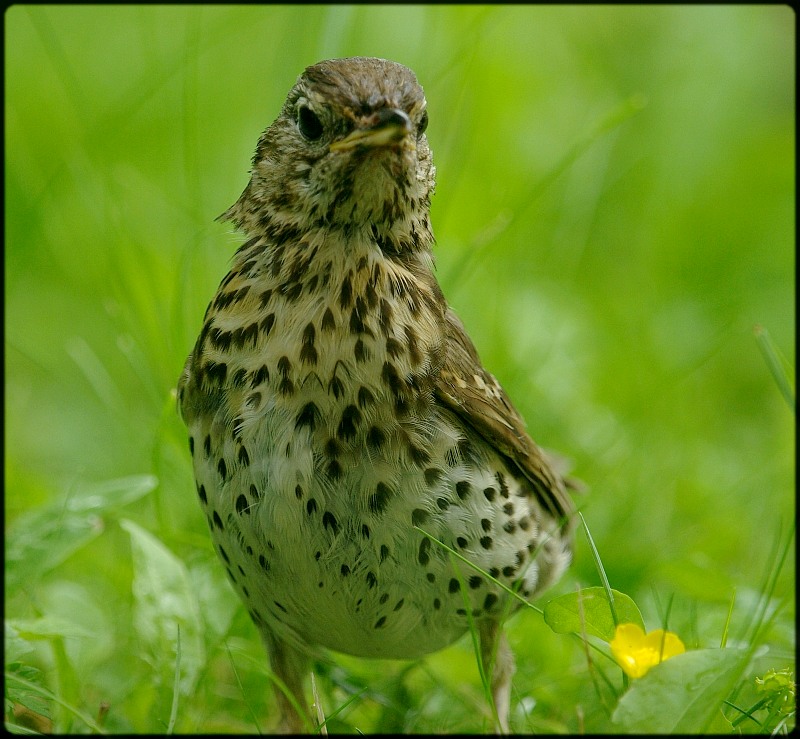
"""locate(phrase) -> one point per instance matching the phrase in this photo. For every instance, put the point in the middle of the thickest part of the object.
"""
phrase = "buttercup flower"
(637, 652)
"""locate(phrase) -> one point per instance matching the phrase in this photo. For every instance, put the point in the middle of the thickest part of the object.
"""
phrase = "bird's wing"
(477, 398)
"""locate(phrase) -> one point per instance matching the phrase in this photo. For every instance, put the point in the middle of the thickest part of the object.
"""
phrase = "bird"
(369, 486)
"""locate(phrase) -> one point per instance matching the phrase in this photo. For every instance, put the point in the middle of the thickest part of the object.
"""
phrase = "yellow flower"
(637, 652)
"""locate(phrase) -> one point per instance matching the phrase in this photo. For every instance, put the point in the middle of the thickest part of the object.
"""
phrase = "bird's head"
(348, 152)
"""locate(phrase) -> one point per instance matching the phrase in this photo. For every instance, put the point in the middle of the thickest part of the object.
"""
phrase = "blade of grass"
(777, 364)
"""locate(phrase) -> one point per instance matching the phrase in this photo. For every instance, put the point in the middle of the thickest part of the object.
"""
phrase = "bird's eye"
(423, 123)
(308, 123)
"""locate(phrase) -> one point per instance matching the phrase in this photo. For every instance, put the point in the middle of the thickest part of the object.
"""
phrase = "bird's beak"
(385, 127)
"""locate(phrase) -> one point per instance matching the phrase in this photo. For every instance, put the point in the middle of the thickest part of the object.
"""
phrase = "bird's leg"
(498, 663)
(290, 666)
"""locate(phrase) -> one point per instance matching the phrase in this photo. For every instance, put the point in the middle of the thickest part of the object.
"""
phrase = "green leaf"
(40, 540)
(588, 610)
(682, 695)
(164, 601)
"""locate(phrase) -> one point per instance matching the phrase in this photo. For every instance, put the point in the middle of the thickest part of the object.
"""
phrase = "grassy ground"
(614, 215)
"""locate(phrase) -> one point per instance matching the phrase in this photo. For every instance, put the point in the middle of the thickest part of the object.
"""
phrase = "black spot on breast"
(328, 323)
(501, 481)
(453, 586)
(375, 437)
(351, 417)
(201, 491)
(254, 492)
(392, 379)
(509, 527)
(311, 506)
(224, 554)
(244, 457)
(345, 570)
(220, 339)
(332, 448)
(418, 455)
(239, 377)
(385, 316)
(486, 542)
(380, 622)
(432, 476)
(371, 295)
(419, 516)
(308, 353)
(222, 469)
(308, 416)
(216, 372)
(361, 352)
(217, 521)
(384, 552)
(412, 345)
(463, 489)
(294, 291)
(365, 397)
(298, 492)
(393, 348)
(334, 470)
(486, 524)
(346, 293)
(489, 493)
(267, 323)
(372, 580)
(475, 581)
(462, 542)
(329, 522)
(380, 498)
(443, 503)
(260, 376)
(423, 557)
(508, 509)
(336, 387)
(357, 322)
(242, 506)
(399, 604)
(191, 446)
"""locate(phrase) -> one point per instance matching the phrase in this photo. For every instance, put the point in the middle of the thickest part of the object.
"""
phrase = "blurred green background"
(614, 214)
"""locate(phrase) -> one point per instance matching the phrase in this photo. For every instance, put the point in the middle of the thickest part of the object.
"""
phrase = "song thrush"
(337, 408)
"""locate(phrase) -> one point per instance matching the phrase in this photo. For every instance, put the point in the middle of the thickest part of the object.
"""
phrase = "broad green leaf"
(40, 540)
(682, 695)
(588, 610)
(164, 600)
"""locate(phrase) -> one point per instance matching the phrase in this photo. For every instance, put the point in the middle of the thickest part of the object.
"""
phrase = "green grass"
(614, 217)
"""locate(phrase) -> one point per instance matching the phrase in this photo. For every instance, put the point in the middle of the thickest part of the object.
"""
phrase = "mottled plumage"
(336, 405)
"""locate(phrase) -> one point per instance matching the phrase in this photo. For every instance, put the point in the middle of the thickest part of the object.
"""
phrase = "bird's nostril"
(393, 116)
